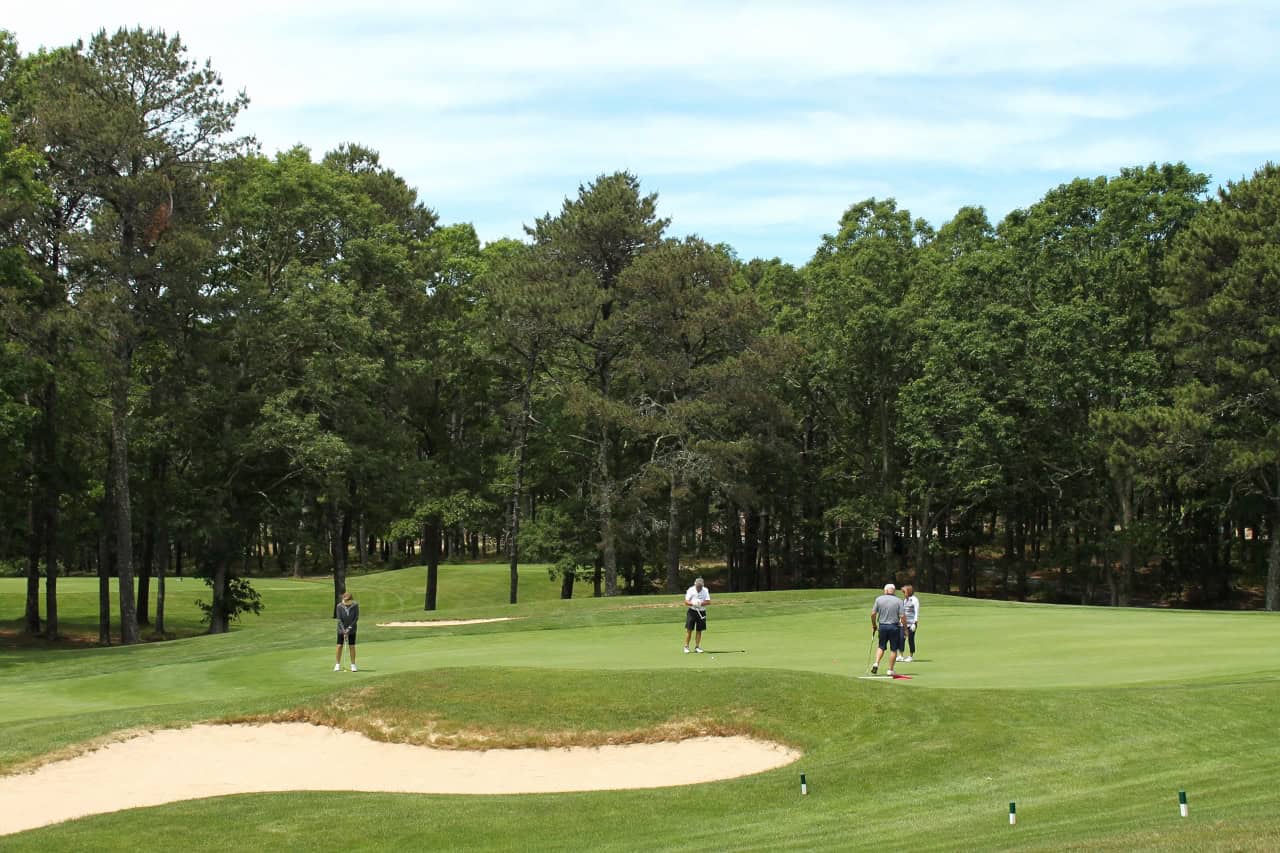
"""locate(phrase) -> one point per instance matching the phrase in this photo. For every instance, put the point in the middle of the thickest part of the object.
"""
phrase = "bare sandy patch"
(216, 760)
(444, 623)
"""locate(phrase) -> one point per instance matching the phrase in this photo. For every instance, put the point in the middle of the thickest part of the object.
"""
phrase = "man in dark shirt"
(348, 613)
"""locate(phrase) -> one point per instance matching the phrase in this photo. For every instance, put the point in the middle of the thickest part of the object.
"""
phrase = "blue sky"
(757, 123)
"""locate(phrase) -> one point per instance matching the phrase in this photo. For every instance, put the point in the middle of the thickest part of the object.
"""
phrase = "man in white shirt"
(911, 611)
(695, 618)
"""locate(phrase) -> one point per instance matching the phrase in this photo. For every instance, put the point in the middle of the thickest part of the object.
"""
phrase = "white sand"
(441, 623)
(211, 760)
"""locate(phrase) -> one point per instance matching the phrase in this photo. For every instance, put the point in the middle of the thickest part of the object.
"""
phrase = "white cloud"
(499, 109)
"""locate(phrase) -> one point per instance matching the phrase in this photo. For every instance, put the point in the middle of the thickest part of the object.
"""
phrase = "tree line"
(215, 359)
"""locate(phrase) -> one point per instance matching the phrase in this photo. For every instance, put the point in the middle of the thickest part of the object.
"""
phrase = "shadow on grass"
(74, 636)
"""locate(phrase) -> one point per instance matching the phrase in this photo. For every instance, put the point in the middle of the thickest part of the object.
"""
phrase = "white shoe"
(890, 673)
(337, 667)
(686, 650)
(354, 668)
(698, 649)
(904, 660)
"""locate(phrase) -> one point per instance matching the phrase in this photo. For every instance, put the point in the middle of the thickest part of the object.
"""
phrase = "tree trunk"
(31, 612)
(566, 584)
(1272, 599)
(302, 529)
(517, 487)
(344, 541)
(1124, 491)
(51, 568)
(218, 621)
(731, 538)
(431, 545)
(105, 556)
(766, 561)
(788, 561)
(608, 546)
(148, 561)
(165, 556)
(120, 496)
(886, 526)
(673, 534)
(923, 535)
(47, 480)
(337, 551)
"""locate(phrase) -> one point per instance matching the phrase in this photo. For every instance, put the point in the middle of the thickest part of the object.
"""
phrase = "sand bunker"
(210, 760)
(444, 623)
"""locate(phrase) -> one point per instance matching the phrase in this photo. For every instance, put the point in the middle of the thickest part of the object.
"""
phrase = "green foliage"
(298, 352)
(1224, 276)
(241, 598)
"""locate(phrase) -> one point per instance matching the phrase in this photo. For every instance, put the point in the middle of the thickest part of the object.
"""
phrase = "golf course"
(1091, 720)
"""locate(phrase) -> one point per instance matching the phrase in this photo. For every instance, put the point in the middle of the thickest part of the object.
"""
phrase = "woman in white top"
(911, 608)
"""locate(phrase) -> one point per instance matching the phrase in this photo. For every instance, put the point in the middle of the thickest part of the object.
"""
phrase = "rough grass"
(497, 709)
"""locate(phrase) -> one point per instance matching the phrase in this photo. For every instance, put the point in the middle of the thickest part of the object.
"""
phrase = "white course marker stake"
(1013, 813)
(1182, 803)
(804, 786)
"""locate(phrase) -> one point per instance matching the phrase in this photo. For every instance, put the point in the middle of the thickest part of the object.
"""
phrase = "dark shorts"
(695, 621)
(891, 637)
(351, 637)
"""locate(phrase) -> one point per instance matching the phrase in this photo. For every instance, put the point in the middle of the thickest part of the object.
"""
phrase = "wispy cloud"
(755, 118)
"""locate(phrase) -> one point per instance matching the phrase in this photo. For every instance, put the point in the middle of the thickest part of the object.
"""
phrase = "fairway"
(1090, 719)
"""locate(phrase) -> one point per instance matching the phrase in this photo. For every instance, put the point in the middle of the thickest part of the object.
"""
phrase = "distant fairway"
(1091, 719)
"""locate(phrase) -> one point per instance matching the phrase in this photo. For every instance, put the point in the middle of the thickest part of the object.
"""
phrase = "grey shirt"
(348, 616)
(888, 610)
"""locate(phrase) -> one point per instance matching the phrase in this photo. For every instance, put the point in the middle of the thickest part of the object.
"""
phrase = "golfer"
(348, 613)
(695, 618)
(887, 618)
(911, 614)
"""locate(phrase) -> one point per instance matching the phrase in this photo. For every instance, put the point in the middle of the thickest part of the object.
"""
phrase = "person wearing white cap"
(887, 620)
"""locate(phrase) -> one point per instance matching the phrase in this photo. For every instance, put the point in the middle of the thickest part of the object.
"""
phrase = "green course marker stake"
(804, 786)
(1182, 803)
(1013, 813)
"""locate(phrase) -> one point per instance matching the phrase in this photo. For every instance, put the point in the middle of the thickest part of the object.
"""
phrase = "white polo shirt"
(696, 598)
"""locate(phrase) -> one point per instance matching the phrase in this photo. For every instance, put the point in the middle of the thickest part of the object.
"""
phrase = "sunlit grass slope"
(1091, 719)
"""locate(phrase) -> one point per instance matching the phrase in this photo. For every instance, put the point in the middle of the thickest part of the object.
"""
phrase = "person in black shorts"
(695, 618)
(348, 613)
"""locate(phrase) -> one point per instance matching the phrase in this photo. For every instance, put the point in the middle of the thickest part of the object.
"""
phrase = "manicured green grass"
(285, 599)
(1091, 719)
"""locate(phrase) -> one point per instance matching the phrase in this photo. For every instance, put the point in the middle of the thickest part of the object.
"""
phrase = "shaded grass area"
(285, 599)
